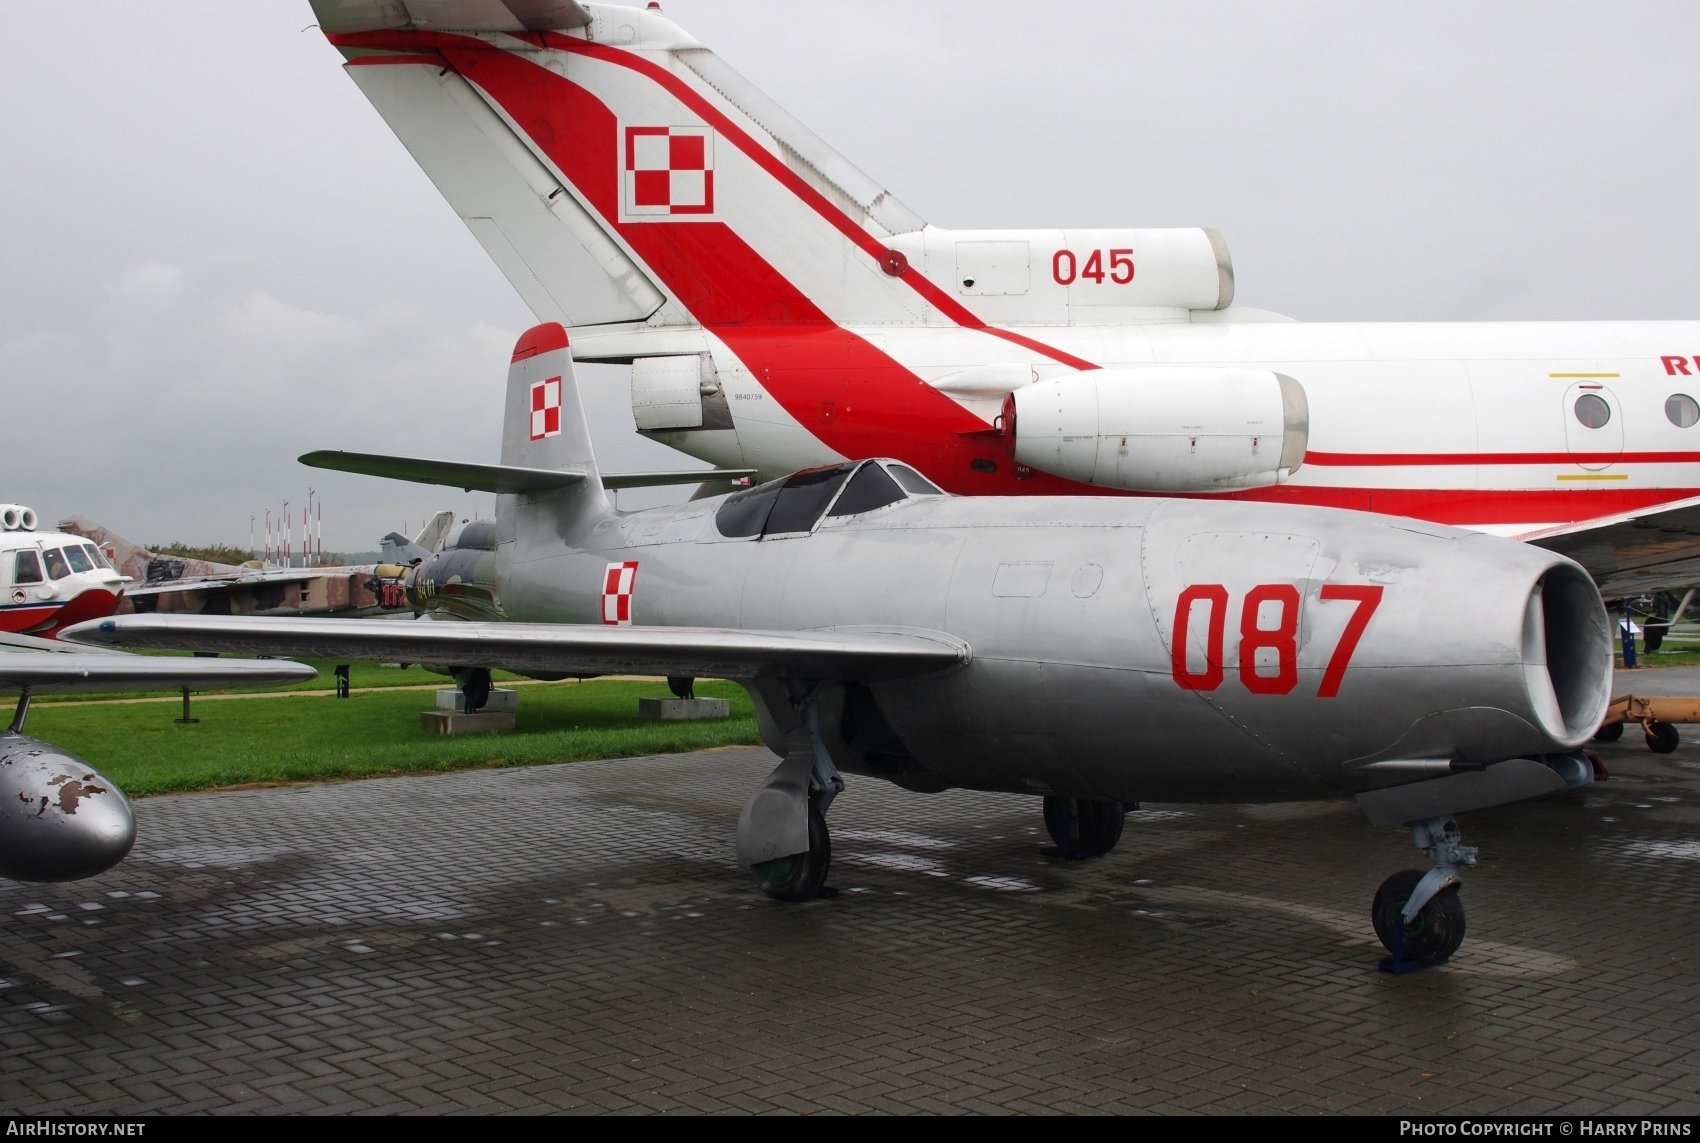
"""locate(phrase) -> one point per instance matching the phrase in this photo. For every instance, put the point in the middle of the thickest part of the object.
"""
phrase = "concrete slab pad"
(684, 710)
(457, 722)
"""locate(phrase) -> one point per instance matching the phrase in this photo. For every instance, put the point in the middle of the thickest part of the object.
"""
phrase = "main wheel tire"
(1610, 732)
(1662, 738)
(477, 689)
(799, 876)
(1652, 638)
(1083, 827)
(1433, 934)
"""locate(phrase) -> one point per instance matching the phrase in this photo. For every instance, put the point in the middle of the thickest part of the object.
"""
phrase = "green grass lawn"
(313, 738)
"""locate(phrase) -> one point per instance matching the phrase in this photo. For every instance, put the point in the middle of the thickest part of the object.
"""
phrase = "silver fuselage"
(1069, 607)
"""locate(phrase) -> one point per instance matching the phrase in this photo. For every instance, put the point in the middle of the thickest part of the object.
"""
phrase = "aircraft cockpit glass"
(870, 488)
(745, 513)
(27, 568)
(77, 558)
(98, 556)
(804, 498)
(56, 566)
(913, 482)
(795, 504)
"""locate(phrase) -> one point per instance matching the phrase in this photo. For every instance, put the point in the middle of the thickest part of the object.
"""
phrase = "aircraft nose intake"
(60, 819)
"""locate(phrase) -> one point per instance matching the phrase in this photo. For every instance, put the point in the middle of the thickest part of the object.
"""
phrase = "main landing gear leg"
(1082, 827)
(475, 684)
(782, 834)
(1418, 915)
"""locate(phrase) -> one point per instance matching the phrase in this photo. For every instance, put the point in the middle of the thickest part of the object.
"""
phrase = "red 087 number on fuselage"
(1066, 266)
(1283, 638)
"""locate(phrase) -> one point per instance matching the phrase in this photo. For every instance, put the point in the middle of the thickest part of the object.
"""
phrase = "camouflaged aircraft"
(179, 584)
(1092, 651)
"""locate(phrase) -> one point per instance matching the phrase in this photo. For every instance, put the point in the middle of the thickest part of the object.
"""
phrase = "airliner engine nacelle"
(17, 518)
(1169, 430)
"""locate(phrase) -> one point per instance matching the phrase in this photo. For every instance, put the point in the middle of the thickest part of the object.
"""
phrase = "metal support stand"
(21, 713)
(185, 720)
(1628, 641)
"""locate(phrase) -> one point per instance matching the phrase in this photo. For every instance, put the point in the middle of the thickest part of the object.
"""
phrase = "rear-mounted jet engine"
(1167, 430)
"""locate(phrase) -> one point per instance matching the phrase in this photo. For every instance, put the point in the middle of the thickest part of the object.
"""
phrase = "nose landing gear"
(1418, 916)
(782, 834)
(799, 876)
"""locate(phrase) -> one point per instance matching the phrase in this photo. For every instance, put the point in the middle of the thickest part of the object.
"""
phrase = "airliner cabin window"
(26, 569)
(1682, 410)
(1592, 410)
(870, 488)
(55, 562)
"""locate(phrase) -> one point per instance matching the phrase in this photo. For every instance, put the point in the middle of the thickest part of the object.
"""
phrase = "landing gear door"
(1593, 426)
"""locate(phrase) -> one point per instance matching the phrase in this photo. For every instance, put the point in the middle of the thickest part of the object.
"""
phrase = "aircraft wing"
(226, 583)
(87, 670)
(501, 477)
(1649, 549)
(565, 648)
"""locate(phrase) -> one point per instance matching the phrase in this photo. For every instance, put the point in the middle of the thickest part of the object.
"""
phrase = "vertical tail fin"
(543, 424)
(618, 171)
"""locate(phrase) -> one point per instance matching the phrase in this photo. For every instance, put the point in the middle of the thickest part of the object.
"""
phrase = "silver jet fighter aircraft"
(1093, 651)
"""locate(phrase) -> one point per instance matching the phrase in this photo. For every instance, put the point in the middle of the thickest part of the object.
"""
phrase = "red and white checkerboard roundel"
(669, 172)
(546, 409)
(617, 586)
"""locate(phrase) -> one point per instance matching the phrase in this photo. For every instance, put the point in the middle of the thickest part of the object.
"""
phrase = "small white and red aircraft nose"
(50, 580)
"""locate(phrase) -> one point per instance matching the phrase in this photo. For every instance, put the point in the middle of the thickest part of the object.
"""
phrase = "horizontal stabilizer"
(40, 671)
(573, 649)
(344, 16)
(682, 476)
(501, 477)
(453, 474)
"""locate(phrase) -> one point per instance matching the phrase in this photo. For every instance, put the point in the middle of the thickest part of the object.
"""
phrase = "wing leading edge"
(572, 649)
(103, 671)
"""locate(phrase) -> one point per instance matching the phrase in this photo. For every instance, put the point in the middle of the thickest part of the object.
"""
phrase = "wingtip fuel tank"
(60, 818)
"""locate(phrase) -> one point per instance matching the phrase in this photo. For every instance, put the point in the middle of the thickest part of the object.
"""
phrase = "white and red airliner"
(781, 309)
(51, 580)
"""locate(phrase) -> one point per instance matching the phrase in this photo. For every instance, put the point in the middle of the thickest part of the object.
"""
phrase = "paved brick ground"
(576, 937)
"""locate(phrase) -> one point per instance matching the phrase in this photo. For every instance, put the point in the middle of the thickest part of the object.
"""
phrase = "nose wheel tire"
(1662, 738)
(1433, 934)
(800, 876)
(1610, 732)
(1083, 827)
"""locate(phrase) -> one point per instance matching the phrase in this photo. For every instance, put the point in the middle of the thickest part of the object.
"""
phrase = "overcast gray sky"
(214, 255)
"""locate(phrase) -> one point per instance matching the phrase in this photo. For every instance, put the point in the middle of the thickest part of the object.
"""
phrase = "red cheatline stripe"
(771, 163)
(1389, 459)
